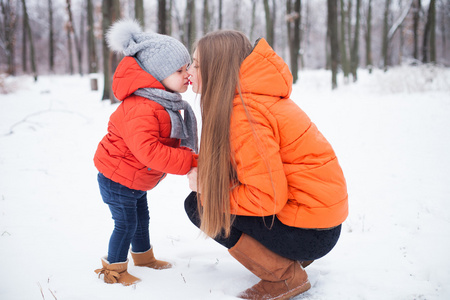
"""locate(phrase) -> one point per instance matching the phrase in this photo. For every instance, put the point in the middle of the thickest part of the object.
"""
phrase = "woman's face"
(194, 74)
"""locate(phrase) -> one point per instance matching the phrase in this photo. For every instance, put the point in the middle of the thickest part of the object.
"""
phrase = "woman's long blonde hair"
(221, 54)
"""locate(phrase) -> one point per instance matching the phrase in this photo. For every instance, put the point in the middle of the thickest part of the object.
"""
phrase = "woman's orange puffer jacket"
(289, 170)
(137, 151)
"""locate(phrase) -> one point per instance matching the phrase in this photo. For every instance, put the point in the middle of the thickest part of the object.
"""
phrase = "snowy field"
(391, 132)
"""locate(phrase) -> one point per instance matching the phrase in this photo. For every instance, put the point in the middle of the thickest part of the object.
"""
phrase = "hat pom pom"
(121, 33)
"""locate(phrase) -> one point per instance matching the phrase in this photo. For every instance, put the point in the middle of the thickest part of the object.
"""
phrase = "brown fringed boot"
(116, 273)
(281, 278)
(147, 259)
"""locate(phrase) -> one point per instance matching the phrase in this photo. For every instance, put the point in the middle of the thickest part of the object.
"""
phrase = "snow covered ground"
(391, 132)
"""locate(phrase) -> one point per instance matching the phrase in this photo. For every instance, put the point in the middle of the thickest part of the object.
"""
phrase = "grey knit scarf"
(183, 129)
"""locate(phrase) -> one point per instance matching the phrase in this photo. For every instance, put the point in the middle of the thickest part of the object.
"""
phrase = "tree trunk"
(236, 15)
(92, 52)
(82, 38)
(30, 40)
(8, 34)
(369, 63)
(305, 32)
(110, 13)
(385, 46)
(252, 26)
(355, 47)
(162, 18)
(206, 20)
(69, 47)
(402, 37)
(75, 37)
(334, 43)
(398, 23)
(342, 42)
(293, 26)
(51, 40)
(139, 12)
(429, 36)
(432, 16)
(443, 25)
(169, 21)
(190, 23)
(349, 30)
(24, 40)
(220, 14)
(269, 23)
(417, 6)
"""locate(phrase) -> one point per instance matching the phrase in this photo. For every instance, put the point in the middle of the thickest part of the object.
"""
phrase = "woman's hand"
(192, 176)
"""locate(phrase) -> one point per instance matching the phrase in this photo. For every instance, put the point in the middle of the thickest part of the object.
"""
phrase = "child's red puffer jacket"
(137, 151)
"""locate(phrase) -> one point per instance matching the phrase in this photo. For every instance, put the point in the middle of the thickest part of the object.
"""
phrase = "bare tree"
(342, 41)
(429, 37)
(69, 48)
(237, 24)
(7, 33)
(385, 47)
(169, 14)
(24, 40)
(253, 21)
(355, 47)
(369, 62)
(75, 36)
(139, 12)
(293, 27)
(402, 36)
(190, 23)
(432, 16)
(444, 11)
(29, 34)
(220, 14)
(399, 21)
(162, 17)
(110, 13)
(349, 29)
(270, 21)
(334, 42)
(206, 20)
(92, 51)
(417, 7)
(51, 40)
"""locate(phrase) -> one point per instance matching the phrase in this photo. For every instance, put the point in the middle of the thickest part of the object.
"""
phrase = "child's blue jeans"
(131, 217)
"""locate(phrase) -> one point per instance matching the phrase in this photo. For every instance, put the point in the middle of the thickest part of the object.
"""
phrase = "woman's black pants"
(290, 242)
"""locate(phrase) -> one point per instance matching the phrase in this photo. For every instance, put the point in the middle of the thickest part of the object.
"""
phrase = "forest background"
(344, 36)
(389, 129)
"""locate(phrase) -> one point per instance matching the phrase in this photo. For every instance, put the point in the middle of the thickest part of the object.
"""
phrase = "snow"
(389, 130)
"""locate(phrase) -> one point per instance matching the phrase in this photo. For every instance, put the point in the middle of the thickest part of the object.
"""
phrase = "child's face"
(178, 81)
(194, 73)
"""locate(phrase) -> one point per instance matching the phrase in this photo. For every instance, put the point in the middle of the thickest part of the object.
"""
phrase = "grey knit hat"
(160, 55)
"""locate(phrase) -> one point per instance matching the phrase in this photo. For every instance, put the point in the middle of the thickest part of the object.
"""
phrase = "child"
(147, 138)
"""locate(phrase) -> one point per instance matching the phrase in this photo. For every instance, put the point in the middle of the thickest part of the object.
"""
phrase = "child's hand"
(194, 160)
(192, 176)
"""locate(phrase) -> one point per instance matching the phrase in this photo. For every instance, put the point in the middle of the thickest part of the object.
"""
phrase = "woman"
(268, 185)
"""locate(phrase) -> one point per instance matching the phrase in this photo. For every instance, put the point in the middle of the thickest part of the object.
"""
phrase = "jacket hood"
(129, 77)
(264, 72)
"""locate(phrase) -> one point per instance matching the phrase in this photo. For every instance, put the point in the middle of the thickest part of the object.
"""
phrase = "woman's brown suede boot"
(116, 273)
(281, 278)
(147, 259)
